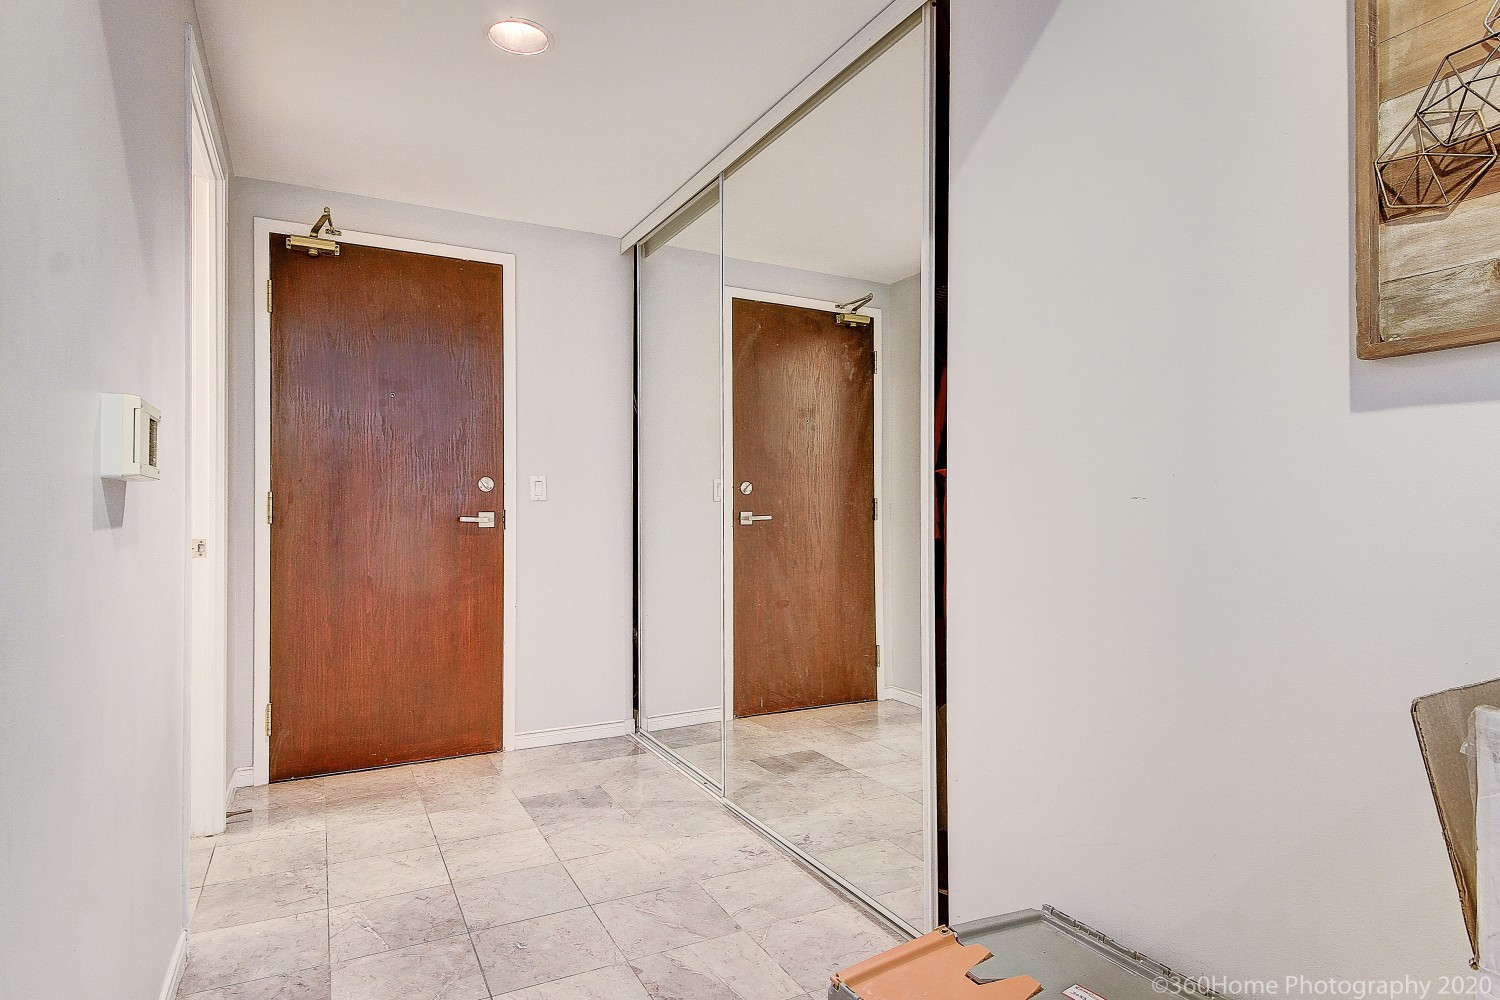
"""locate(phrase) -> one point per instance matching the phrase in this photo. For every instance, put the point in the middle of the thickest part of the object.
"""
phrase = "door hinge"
(875, 367)
(874, 508)
(268, 720)
(877, 655)
(268, 295)
(200, 548)
(270, 505)
(502, 519)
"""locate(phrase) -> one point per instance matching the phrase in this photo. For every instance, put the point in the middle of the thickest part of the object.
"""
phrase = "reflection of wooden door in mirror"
(386, 410)
(804, 580)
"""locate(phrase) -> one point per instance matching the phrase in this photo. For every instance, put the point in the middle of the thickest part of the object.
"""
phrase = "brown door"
(804, 438)
(385, 414)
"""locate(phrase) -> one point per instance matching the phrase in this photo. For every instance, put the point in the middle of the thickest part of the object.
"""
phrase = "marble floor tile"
(517, 895)
(200, 853)
(734, 967)
(389, 923)
(479, 820)
(811, 948)
(709, 854)
(614, 982)
(385, 875)
(497, 854)
(878, 867)
(261, 897)
(466, 793)
(759, 896)
(672, 820)
(535, 875)
(905, 776)
(663, 920)
(436, 970)
(248, 952)
(530, 952)
(627, 872)
(308, 984)
(908, 903)
(436, 772)
(689, 736)
(350, 841)
(612, 831)
(275, 821)
(612, 748)
(268, 856)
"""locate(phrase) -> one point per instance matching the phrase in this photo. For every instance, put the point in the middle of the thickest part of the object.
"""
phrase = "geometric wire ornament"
(1446, 148)
(1419, 173)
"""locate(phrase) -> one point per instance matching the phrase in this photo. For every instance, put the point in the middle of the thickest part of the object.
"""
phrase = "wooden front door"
(804, 439)
(385, 414)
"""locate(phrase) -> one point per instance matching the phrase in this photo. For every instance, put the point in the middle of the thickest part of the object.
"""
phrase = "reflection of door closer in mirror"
(849, 315)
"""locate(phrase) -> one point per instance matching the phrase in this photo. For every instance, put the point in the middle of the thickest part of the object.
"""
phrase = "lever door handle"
(748, 517)
(485, 519)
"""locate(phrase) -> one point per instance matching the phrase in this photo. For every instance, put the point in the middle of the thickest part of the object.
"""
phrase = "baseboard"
(243, 777)
(902, 695)
(173, 977)
(571, 734)
(681, 720)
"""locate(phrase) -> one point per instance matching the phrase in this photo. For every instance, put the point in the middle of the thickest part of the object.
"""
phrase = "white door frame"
(732, 491)
(507, 261)
(207, 591)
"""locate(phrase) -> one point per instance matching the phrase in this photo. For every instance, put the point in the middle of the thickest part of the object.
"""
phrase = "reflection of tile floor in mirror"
(842, 783)
(582, 872)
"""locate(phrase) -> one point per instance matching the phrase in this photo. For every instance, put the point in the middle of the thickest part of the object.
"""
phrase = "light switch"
(718, 491)
(538, 487)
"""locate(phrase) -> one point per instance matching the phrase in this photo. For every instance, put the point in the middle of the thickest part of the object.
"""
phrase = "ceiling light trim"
(499, 41)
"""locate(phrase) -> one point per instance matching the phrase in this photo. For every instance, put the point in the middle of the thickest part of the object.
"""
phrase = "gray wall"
(1202, 558)
(93, 182)
(574, 304)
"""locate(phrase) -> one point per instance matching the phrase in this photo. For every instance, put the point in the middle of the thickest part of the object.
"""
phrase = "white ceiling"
(840, 192)
(410, 102)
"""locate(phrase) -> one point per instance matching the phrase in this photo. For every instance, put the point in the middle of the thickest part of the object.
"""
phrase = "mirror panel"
(680, 518)
(823, 245)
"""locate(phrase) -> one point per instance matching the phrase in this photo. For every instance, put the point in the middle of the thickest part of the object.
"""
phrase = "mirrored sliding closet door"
(820, 417)
(680, 543)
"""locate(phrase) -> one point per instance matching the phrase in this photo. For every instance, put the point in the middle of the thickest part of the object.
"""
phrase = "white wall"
(573, 300)
(681, 544)
(1202, 559)
(93, 196)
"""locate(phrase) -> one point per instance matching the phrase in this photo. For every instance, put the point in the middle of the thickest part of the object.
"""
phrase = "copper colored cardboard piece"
(932, 967)
(1442, 723)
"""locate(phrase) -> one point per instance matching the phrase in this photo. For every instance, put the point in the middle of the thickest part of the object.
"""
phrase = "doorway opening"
(385, 460)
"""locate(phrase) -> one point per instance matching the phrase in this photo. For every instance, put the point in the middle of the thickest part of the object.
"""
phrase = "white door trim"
(207, 438)
(731, 487)
(263, 230)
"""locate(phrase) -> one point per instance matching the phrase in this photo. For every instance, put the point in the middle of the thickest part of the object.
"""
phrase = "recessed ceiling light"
(520, 37)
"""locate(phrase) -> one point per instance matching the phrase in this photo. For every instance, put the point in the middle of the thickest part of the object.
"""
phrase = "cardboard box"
(1442, 723)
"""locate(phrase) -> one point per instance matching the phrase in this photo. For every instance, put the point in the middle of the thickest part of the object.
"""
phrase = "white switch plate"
(538, 487)
(718, 491)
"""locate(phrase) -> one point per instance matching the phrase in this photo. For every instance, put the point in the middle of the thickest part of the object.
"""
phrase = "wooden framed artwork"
(1427, 180)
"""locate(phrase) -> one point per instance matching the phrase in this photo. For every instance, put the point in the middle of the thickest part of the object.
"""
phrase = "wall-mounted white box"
(129, 429)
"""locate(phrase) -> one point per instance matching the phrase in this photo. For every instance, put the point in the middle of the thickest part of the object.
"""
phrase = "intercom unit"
(129, 429)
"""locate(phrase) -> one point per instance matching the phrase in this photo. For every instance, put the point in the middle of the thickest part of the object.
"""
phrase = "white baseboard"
(571, 734)
(243, 777)
(173, 977)
(902, 695)
(681, 720)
